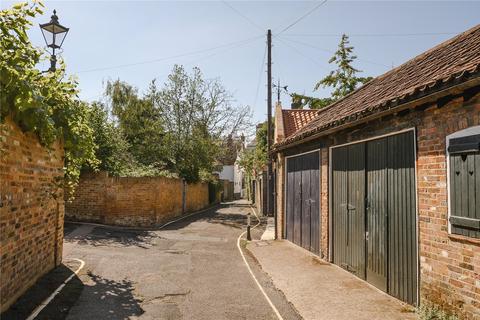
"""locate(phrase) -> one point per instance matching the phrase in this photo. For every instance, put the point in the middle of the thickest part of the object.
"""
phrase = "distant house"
(385, 182)
(227, 169)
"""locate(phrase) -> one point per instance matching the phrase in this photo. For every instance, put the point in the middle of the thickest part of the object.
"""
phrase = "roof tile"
(295, 119)
(454, 58)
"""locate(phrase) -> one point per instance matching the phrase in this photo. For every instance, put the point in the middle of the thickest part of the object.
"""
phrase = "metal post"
(53, 61)
(249, 236)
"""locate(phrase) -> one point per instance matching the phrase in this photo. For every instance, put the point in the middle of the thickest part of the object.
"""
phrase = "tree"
(112, 147)
(43, 103)
(179, 127)
(254, 160)
(197, 115)
(139, 122)
(300, 101)
(343, 79)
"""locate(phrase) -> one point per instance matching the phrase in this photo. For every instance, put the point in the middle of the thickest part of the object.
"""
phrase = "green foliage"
(113, 149)
(253, 161)
(139, 122)
(177, 128)
(343, 79)
(38, 102)
(428, 311)
(300, 101)
(114, 152)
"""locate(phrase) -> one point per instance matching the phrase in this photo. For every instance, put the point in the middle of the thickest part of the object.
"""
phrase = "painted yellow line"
(45, 302)
(279, 316)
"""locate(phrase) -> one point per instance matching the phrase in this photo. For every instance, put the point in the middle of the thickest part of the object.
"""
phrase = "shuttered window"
(464, 153)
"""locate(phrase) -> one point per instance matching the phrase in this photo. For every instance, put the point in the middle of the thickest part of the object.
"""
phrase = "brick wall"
(31, 220)
(129, 201)
(449, 264)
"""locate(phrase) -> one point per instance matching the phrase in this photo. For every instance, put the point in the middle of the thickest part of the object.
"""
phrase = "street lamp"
(54, 34)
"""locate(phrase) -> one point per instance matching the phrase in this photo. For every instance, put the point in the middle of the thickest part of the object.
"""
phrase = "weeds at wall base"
(428, 311)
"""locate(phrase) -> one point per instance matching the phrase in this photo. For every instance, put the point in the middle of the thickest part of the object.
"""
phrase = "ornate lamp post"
(54, 34)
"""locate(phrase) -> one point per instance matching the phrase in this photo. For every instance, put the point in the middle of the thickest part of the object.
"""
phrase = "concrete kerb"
(45, 303)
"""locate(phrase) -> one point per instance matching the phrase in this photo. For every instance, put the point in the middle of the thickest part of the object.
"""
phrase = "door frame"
(330, 195)
(284, 233)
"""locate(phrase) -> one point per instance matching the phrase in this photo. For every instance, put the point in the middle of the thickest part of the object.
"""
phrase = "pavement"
(320, 290)
(192, 269)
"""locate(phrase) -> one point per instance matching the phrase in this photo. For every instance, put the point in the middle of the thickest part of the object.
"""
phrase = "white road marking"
(57, 291)
(279, 316)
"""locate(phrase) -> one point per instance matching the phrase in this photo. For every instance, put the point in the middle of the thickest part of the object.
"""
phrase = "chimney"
(279, 134)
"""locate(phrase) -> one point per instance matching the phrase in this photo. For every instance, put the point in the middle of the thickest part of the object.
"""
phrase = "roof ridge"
(449, 63)
(383, 75)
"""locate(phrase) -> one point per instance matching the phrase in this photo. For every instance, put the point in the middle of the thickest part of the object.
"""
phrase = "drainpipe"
(184, 196)
(275, 199)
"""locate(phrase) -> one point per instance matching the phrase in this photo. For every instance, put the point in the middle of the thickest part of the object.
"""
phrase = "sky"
(137, 41)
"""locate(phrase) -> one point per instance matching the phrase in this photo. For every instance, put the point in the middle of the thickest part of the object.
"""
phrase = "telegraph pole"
(269, 123)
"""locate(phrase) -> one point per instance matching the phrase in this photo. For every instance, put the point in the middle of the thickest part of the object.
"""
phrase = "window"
(464, 181)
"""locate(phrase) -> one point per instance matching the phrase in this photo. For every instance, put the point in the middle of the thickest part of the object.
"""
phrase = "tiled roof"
(448, 63)
(295, 119)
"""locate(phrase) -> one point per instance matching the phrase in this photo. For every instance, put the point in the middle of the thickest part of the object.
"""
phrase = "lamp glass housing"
(54, 33)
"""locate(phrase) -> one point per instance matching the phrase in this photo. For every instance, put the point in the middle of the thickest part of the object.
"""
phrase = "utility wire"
(244, 43)
(330, 51)
(172, 57)
(242, 15)
(370, 34)
(262, 67)
(302, 17)
(302, 54)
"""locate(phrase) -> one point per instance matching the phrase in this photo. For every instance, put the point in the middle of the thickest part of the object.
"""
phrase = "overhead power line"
(242, 15)
(302, 17)
(244, 41)
(259, 81)
(331, 51)
(300, 53)
(370, 34)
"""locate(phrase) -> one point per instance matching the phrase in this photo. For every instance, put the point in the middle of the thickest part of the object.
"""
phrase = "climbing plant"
(44, 103)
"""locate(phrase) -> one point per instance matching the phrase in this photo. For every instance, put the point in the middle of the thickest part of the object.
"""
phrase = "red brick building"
(385, 182)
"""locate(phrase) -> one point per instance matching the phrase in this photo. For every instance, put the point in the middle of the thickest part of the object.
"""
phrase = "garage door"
(302, 223)
(374, 215)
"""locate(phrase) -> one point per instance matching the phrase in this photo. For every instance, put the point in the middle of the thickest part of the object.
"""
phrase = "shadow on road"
(59, 307)
(107, 299)
(100, 236)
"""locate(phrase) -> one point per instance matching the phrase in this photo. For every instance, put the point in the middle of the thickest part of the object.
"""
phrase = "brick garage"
(445, 107)
(31, 210)
(132, 201)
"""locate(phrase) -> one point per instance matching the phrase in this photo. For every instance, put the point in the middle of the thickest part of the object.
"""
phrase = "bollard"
(249, 237)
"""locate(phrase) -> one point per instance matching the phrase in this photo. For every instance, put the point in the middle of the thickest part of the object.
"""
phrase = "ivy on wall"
(46, 104)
